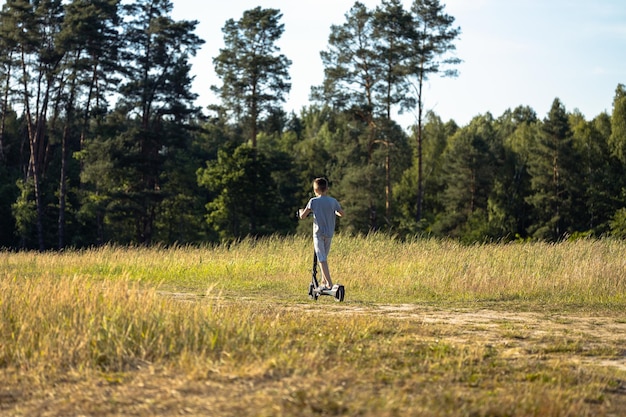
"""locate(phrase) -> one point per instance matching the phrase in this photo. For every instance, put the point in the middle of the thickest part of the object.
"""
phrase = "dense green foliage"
(100, 140)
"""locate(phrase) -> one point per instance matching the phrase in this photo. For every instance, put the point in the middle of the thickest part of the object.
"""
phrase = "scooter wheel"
(312, 294)
(340, 294)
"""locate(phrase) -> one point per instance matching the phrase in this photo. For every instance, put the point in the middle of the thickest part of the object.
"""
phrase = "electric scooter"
(337, 291)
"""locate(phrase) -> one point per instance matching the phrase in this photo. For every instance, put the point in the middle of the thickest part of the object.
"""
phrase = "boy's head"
(320, 186)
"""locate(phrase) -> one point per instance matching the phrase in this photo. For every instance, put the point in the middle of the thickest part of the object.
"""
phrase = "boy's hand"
(302, 213)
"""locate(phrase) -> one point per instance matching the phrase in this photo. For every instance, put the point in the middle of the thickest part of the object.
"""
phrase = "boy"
(324, 209)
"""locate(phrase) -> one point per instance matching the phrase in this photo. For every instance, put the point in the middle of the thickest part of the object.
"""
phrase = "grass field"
(427, 328)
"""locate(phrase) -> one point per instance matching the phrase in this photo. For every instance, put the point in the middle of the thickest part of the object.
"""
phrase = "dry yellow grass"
(428, 328)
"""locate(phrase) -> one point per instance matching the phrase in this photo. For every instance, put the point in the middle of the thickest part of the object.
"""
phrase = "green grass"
(580, 274)
(428, 328)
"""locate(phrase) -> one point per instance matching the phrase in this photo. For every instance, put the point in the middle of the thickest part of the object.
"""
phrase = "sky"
(513, 52)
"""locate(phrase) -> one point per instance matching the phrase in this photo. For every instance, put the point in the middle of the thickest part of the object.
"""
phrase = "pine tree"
(509, 210)
(601, 175)
(151, 117)
(552, 168)
(365, 77)
(254, 74)
(30, 31)
(617, 140)
(255, 80)
(431, 44)
(468, 175)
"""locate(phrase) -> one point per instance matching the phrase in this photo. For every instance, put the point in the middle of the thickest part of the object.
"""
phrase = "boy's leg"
(320, 252)
(322, 248)
(326, 274)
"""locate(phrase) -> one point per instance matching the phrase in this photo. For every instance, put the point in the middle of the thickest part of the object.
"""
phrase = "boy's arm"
(304, 212)
(339, 209)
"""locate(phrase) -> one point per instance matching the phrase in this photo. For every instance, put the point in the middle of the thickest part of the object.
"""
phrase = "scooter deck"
(327, 291)
(338, 292)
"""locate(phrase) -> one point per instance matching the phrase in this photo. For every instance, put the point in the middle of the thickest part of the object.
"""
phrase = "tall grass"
(583, 272)
(53, 325)
(234, 312)
(374, 268)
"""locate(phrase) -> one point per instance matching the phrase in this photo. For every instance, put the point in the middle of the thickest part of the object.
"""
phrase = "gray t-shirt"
(323, 208)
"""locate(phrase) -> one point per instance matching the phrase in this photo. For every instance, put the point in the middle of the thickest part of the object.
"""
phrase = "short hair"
(320, 184)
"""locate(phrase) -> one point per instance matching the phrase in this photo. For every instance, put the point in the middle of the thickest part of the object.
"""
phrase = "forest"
(101, 141)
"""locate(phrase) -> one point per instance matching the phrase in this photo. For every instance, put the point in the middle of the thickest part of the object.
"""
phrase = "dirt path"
(589, 339)
(593, 340)
(513, 333)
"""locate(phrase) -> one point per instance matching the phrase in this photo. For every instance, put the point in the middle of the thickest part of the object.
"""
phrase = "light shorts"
(322, 246)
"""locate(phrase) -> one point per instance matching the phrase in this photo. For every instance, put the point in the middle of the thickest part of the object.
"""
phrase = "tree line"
(101, 142)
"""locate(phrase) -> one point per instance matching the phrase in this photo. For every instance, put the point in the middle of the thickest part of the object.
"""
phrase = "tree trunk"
(5, 107)
(35, 141)
(420, 180)
(63, 187)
